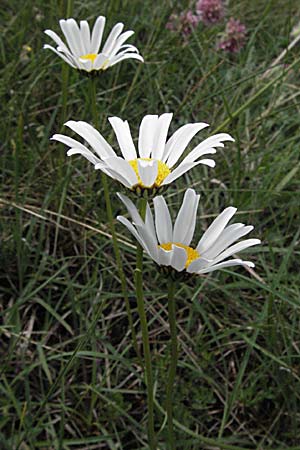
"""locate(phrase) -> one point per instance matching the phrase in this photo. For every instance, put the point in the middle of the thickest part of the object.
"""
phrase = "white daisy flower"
(155, 164)
(170, 247)
(83, 46)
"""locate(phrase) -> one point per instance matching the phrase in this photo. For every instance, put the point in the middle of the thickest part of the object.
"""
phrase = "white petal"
(185, 167)
(86, 153)
(179, 258)
(121, 166)
(231, 263)
(111, 40)
(133, 231)
(230, 234)
(97, 34)
(57, 40)
(85, 64)
(147, 135)
(198, 264)
(120, 41)
(163, 222)
(135, 215)
(236, 248)
(149, 242)
(162, 129)
(186, 218)
(179, 141)
(72, 143)
(85, 36)
(208, 146)
(122, 131)
(100, 62)
(61, 55)
(149, 222)
(113, 174)
(215, 229)
(117, 59)
(147, 172)
(93, 137)
(72, 34)
(164, 257)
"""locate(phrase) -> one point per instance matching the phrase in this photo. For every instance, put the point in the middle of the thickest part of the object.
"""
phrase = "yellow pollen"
(162, 171)
(90, 56)
(192, 254)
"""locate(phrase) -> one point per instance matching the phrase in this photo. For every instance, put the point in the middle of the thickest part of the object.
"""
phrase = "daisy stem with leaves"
(173, 363)
(112, 226)
(138, 276)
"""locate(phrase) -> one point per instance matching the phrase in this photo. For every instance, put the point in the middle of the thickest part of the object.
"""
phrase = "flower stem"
(173, 364)
(138, 277)
(112, 227)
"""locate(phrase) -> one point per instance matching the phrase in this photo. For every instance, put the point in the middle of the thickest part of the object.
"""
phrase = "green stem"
(173, 364)
(112, 226)
(138, 277)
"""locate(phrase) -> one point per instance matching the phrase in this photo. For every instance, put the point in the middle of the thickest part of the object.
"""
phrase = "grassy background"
(239, 368)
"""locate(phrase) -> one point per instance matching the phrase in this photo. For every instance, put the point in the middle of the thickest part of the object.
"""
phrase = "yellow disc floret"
(162, 171)
(90, 57)
(192, 253)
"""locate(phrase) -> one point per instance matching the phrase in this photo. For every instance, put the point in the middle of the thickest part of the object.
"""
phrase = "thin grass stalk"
(138, 278)
(110, 218)
(173, 364)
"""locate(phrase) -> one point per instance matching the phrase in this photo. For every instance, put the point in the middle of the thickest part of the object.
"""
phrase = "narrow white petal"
(100, 62)
(122, 132)
(85, 36)
(183, 168)
(93, 137)
(120, 41)
(149, 222)
(149, 242)
(113, 174)
(147, 135)
(147, 172)
(179, 258)
(57, 40)
(164, 257)
(198, 264)
(117, 59)
(179, 141)
(72, 143)
(163, 222)
(236, 248)
(229, 235)
(185, 223)
(133, 231)
(72, 34)
(86, 153)
(231, 263)
(131, 208)
(215, 229)
(123, 167)
(208, 146)
(61, 55)
(111, 40)
(97, 34)
(163, 125)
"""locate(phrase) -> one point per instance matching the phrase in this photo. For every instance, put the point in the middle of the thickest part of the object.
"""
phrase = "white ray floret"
(156, 161)
(82, 48)
(170, 246)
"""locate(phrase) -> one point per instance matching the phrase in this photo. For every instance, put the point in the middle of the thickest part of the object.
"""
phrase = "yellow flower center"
(192, 253)
(90, 56)
(162, 171)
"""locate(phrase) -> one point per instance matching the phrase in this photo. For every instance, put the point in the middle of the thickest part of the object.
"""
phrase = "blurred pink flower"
(210, 11)
(183, 23)
(234, 37)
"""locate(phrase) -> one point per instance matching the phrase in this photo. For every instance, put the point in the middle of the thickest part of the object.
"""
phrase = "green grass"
(238, 379)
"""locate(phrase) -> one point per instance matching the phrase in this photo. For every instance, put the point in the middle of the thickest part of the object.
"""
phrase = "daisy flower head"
(150, 169)
(82, 48)
(170, 246)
